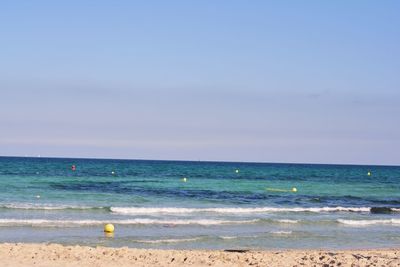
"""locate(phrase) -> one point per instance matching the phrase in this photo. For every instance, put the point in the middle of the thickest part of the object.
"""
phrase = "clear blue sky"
(269, 81)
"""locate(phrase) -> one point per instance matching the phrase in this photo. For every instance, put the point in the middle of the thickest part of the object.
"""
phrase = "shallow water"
(221, 205)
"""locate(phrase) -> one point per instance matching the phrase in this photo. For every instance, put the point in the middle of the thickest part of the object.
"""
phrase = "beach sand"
(58, 255)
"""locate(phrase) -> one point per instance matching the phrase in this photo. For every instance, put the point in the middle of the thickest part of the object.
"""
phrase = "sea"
(198, 205)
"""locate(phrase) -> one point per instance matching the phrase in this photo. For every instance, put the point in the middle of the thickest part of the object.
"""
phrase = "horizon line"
(206, 161)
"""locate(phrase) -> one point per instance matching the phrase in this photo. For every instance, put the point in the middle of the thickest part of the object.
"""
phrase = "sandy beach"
(21, 254)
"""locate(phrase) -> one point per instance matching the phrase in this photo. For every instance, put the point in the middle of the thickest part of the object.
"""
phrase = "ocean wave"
(66, 223)
(161, 241)
(141, 210)
(174, 210)
(29, 206)
(369, 222)
(287, 221)
(183, 211)
(281, 232)
(228, 237)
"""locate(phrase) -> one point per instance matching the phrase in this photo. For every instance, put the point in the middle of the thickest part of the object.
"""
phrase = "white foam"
(63, 223)
(369, 222)
(288, 221)
(174, 210)
(237, 237)
(140, 210)
(167, 240)
(281, 232)
(44, 222)
(228, 237)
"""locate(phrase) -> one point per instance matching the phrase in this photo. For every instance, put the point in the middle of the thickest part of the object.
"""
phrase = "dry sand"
(57, 255)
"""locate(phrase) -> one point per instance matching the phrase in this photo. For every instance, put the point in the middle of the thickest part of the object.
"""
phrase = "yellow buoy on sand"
(109, 228)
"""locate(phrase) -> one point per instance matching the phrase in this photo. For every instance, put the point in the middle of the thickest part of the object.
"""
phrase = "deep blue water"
(219, 205)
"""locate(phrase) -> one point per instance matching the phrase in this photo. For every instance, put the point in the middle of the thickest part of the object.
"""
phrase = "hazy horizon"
(198, 160)
(279, 81)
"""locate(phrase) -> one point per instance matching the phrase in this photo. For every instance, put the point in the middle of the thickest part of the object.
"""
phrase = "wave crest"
(288, 221)
(66, 223)
(369, 222)
(160, 241)
(175, 210)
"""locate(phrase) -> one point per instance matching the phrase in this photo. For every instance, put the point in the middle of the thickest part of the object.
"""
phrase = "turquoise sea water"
(220, 206)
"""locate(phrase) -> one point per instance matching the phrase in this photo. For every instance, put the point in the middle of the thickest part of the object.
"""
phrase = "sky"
(264, 81)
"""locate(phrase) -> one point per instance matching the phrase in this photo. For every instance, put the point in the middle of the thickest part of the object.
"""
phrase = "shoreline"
(43, 254)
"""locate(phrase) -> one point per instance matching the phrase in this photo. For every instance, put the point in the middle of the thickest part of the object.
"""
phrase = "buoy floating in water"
(294, 189)
(237, 171)
(184, 179)
(369, 173)
(113, 172)
(73, 167)
(109, 228)
(38, 196)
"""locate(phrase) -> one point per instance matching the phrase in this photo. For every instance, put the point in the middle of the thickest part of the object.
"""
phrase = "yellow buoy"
(294, 189)
(369, 173)
(237, 171)
(184, 179)
(109, 228)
